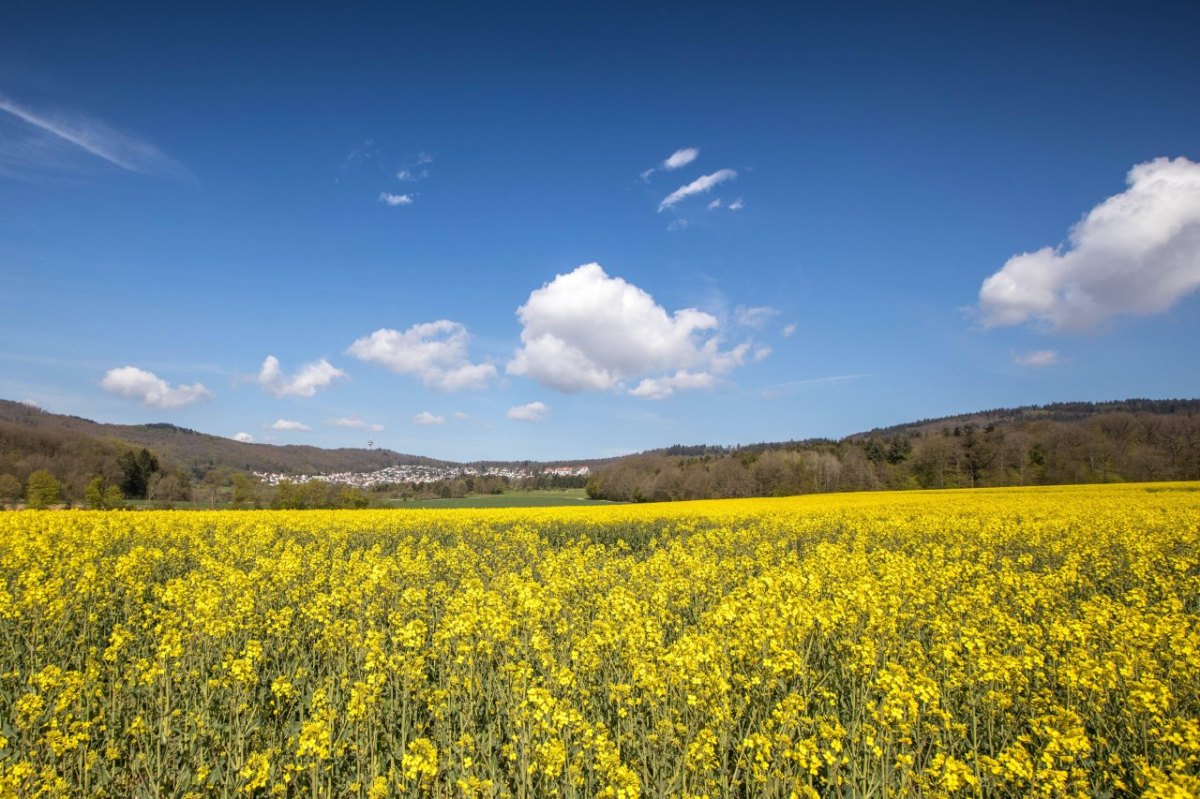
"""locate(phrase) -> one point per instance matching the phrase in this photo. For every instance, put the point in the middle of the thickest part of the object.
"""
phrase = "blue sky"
(569, 231)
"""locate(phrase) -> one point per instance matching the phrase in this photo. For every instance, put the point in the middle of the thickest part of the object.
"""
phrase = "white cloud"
(462, 417)
(789, 330)
(586, 331)
(434, 352)
(662, 387)
(425, 417)
(736, 205)
(150, 389)
(1137, 253)
(697, 186)
(785, 389)
(677, 224)
(392, 200)
(287, 424)
(1038, 359)
(755, 317)
(305, 383)
(245, 438)
(98, 139)
(681, 157)
(675, 160)
(530, 412)
(413, 173)
(355, 423)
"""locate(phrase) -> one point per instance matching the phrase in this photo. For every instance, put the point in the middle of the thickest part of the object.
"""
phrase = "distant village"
(395, 475)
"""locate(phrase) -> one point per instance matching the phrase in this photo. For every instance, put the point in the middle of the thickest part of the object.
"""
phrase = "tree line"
(1107, 447)
(1131, 440)
(129, 476)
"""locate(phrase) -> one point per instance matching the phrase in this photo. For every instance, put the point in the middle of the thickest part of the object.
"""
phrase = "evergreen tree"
(136, 470)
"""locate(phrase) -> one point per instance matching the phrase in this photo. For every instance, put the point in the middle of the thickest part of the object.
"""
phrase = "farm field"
(1003, 642)
(534, 498)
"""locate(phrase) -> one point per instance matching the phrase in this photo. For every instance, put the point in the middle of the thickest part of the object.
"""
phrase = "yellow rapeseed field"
(1010, 642)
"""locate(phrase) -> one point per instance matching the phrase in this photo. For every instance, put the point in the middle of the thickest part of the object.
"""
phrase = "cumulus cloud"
(1038, 359)
(305, 383)
(658, 388)
(675, 160)
(150, 389)
(245, 438)
(586, 331)
(788, 330)
(355, 423)
(287, 424)
(736, 205)
(433, 352)
(529, 412)
(1136, 253)
(698, 186)
(425, 417)
(392, 200)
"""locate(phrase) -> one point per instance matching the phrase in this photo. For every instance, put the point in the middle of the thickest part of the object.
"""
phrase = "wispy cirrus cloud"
(700, 185)
(784, 389)
(416, 169)
(49, 137)
(755, 317)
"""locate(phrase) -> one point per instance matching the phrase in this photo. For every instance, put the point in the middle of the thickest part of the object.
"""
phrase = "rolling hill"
(24, 429)
(1060, 442)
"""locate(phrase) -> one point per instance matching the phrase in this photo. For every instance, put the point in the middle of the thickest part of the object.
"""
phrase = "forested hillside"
(1129, 440)
(1054, 444)
(76, 451)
